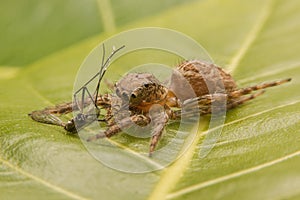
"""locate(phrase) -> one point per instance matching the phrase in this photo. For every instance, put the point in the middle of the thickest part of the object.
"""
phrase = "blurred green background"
(43, 43)
(32, 29)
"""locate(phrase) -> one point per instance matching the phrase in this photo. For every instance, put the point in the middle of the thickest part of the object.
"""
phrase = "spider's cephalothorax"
(141, 91)
(133, 98)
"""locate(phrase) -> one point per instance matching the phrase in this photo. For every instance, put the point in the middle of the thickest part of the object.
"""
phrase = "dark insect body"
(136, 96)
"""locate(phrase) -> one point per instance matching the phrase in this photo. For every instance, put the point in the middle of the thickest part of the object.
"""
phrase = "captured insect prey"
(134, 99)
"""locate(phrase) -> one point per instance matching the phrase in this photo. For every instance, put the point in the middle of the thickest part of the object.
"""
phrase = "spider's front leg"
(160, 120)
(140, 120)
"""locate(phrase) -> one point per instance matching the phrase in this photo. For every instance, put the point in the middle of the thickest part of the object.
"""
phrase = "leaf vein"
(41, 181)
(231, 176)
(130, 151)
(253, 115)
(251, 37)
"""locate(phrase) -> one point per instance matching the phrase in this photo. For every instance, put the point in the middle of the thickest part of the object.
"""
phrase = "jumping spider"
(136, 93)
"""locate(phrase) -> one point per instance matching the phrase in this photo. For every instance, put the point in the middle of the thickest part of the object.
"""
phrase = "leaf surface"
(256, 156)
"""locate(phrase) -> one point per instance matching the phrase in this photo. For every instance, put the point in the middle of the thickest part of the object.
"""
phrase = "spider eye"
(133, 96)
(124, 95)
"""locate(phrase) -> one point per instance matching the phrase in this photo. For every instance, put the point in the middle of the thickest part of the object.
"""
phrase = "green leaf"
(32, 29)
(256, 157)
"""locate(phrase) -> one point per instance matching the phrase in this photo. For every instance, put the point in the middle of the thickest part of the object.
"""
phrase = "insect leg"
(47, 115)
(98, 75)
(248, 90)
(91, 115)
(82, 119)
(103, 68)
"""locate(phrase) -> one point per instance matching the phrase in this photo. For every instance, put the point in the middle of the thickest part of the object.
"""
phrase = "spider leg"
(248, 90)
(236, 102)
(140, 120)
(203, 105)
(160, 120)
(216, 101)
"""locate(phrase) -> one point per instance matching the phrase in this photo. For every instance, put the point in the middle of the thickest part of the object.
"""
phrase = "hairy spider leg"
(248, 90)
(159, 119)
(236, 102)
(207, 104)
(160, 122)
(212, 103)
(141, 120)
(203, 104)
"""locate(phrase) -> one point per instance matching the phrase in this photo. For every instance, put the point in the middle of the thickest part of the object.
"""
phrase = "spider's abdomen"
(204, 78)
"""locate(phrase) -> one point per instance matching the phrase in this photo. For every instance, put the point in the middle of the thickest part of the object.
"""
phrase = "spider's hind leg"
(248, 90)
(232, 103)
